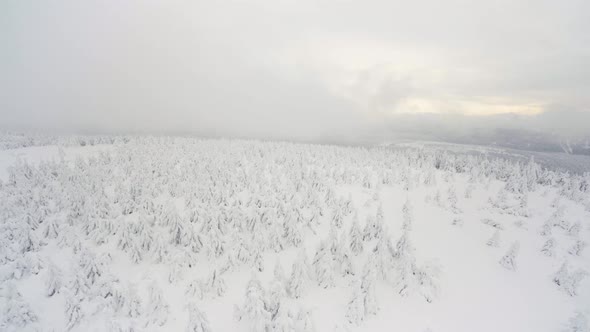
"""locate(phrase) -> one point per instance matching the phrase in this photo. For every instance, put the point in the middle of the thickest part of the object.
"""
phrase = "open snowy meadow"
(186, 234)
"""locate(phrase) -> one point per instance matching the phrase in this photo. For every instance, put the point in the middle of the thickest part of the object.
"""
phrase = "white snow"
(231, 193)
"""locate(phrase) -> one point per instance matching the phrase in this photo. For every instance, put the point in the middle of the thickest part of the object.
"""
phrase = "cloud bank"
(294, 69)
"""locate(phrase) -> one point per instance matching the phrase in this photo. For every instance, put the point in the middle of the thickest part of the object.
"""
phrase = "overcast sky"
(287, 68)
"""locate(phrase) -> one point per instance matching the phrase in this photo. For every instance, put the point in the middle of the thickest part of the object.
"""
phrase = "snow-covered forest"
(184, 234)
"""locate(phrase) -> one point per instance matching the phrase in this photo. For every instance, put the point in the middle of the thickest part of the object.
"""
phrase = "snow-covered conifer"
(160, 250)
(407, 214)
(283, 320)
(373, 228)
(369, 292)
(508, 261)
(548, 247)
(324, 266)
(53, 281)
(255, 308)
(157, 309)
(278, 271)
(577, 248)
(51, 229)
(216, 284)
(135, 251)
(569, 282)
(296, 281)
(337, 218)
(494, 241)
(274, 295)
(293, 233)
(578, 323)
(17, 313)
(73, 311)
(356, 238)
(574, 230)
(453, 201)
(355, 310)
(197, 320)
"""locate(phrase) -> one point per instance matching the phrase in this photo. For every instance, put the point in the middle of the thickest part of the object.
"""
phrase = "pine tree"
(578, 323)
(494, 241)
(337, 218)
(574, 230)
(51, 230)
(160, 250)
(296, 281)
(17, 313)
(275, 294)
(283, 321)
(373, 228)
(548, 247)
(157, 309)
(508, 261)
(73, 311)
(258, 260)
(197, 321)
(216, 284)
(369, 292)
(135, 307)
(452, 194)
(577, 248)
(323, 266)
(125, 236)
(356, 238)
(53, 282)
(355, 310)
(255, 308)
(407, 213)
(91, 268)
(135, 251)
(569, 282)
(293, 233)
(278, 272)
(304, 321)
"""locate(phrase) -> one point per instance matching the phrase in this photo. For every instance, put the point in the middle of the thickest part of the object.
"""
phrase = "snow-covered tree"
(578, 323)
(274, 295)
(407, 213)
(548, 247)
(157, 310)
(278, 271)
(494, 241)
(453, 201)
(508, 261)
(567, 281)
(53, 282)
(574, 230)
(337, 218)
(296, 282)
(355, 236)
(324, 266)
(254, 307)
(51, 230)
(369, 292)
(197, 320)
(17, 313)
(373, 227)
(355, 310)
(73, 311)
(283, 320)
(577, 248)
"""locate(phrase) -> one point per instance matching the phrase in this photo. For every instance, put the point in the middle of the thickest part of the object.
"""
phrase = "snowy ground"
(181, 234)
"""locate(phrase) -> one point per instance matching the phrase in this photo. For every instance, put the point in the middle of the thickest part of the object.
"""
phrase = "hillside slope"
(221, 235)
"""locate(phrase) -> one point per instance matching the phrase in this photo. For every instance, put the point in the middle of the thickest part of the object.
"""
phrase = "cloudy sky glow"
(286, 68)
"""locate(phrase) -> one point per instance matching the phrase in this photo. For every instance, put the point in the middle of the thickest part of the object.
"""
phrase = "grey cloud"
(286, 68)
